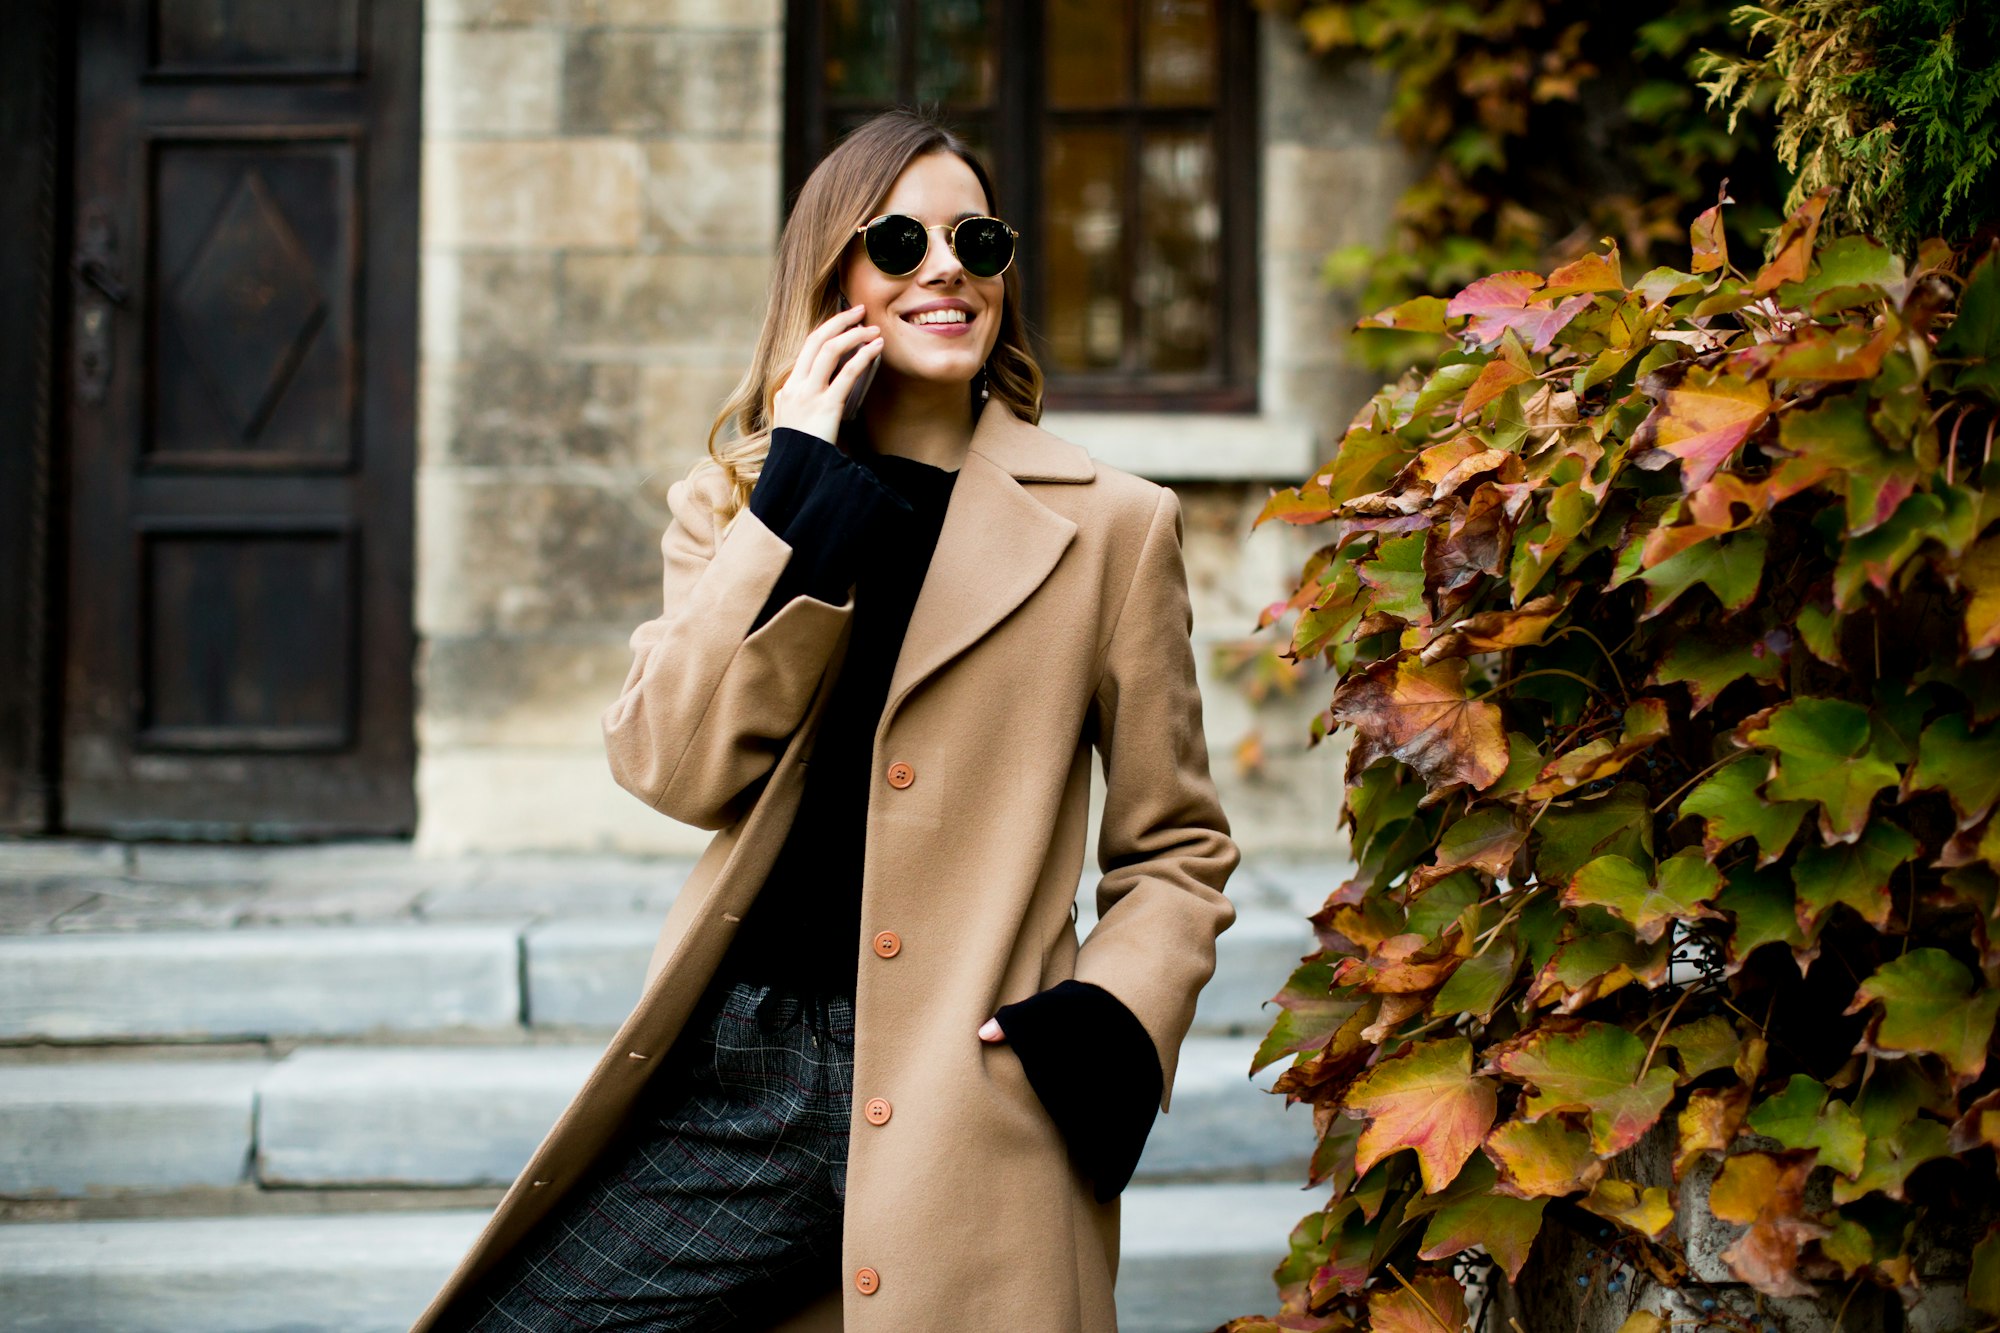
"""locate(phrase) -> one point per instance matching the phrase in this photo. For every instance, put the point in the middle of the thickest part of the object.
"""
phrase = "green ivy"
(1665, 612)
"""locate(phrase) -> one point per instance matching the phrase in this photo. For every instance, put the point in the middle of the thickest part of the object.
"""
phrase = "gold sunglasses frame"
(950, 239)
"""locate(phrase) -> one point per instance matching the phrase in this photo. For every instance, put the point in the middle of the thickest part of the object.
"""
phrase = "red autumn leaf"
(1419, 714)
(1429, 1101)
(1704, 419)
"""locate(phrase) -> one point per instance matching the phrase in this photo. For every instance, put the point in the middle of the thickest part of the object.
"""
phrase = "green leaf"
(1826, 753)
(1975, 334)
(1730, 808)
(1471, 1214)
(1854, 873)
(1396, 574)
(1709, 667)
(1310, 1015)
(1593, 1070)
(1483, 841)
(1730, 567)
(1422, 314)
(1686, 882)
(1930, 1002)
(1765, 911)
(1890, 1158)
(1707, 1043)
(1841, 266)
(1802, 1117)
(1427, 1100)
(1982, 1289)
(1964, 765)
(1872, 559)
(1479, 983)
(1618, 823)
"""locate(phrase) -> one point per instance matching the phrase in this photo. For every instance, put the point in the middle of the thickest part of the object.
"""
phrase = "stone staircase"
(280, 1089)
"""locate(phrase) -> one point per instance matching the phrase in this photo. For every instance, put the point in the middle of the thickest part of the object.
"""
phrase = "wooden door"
(241, 417)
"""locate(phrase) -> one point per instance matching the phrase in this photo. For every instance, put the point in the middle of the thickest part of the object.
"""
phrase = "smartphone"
(860, 389)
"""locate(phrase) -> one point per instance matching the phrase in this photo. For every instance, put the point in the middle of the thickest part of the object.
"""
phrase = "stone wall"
(600, 201)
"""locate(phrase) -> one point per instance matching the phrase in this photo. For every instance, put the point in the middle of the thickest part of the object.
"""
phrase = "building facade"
(361, 346)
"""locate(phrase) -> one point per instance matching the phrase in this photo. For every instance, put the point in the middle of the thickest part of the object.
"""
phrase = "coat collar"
(997, 545)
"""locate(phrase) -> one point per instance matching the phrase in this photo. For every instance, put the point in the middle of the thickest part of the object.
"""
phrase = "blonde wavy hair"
(846, 188)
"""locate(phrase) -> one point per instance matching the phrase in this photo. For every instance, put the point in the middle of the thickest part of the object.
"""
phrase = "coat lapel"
(997, 545)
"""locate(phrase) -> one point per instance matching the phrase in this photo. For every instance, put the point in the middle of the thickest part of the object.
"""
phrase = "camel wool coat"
(1054, 620)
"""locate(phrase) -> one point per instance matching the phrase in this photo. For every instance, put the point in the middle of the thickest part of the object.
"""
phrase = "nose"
(940, 264)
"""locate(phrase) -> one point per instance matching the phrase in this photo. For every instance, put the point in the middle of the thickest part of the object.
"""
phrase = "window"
(1121, 134)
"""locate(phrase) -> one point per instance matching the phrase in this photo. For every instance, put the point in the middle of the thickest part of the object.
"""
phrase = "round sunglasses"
(897, 243)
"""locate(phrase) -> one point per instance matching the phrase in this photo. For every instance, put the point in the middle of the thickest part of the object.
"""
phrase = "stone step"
(280, 981)
(337, 981)
(1192, 1255)
(71, 1130)
(423, 1117)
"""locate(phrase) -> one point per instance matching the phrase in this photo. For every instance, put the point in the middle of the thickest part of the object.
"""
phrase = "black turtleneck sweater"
(865, 521)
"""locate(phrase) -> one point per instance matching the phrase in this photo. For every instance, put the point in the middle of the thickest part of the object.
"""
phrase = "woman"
(894, 1081)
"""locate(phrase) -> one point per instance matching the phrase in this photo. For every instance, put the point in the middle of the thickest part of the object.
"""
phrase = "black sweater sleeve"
(1093, 1065)
(828, 508)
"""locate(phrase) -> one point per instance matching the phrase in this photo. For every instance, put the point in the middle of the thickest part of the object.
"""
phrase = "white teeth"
(940, 317)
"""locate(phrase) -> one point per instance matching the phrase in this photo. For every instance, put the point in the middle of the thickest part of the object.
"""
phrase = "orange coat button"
(866, 1280)
(901, 775)
(888, 944)
(877, 1110)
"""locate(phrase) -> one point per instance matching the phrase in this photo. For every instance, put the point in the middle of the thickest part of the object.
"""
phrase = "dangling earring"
(982, 384)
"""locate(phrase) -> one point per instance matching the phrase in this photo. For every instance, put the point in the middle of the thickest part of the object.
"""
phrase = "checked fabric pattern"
(719, 1205)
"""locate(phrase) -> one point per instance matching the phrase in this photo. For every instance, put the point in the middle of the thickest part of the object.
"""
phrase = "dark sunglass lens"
(984, 246)
(897, 243)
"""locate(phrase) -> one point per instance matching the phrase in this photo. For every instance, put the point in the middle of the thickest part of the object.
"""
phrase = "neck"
(922, 420)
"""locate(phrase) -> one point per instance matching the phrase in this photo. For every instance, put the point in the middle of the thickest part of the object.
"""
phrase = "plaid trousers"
(718, 1205)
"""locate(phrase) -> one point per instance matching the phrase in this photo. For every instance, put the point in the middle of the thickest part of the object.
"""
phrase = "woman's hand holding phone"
(832, 359)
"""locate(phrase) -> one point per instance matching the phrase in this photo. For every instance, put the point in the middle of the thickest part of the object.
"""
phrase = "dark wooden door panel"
(240, 649)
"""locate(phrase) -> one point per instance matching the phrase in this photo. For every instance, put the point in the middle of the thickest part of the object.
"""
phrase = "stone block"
(491, 82)
(719, 84)
(297, 981)
(491, 13)
(414, 1116)
(1327, 392)
(490, 304)
(677, 405)
(1179, 446)
(710, 305)
(1223, 1120)
(526, 554)
(739, 14)
(531, 193)
(713, 195)
(1194, 1256)
(521, 691)
(588, 973)
(1315, 100)
(539, 413)
(70, 1130)
(1305, 322)
(1302, 184)
(358, 1273)
(26, 859)
(499, 800)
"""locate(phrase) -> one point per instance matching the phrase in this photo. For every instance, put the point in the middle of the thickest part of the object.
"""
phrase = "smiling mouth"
(950, 319)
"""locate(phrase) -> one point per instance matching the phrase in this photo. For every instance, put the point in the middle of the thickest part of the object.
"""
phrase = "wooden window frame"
(1019, 115)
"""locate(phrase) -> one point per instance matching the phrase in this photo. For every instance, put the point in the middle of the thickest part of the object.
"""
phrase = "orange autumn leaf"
(1429, 1101)
(1704, 418)
(1419, 714)
(1767, 1192)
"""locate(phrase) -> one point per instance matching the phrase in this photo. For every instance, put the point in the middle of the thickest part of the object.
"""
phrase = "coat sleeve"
(1163, 844)
(723, 676)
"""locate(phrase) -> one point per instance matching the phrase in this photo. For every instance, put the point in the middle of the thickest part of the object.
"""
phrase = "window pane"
(1084, 180)
(954, 52)
(1180, 223)
(1086, 57)
(861, 49)
(1177, 51)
